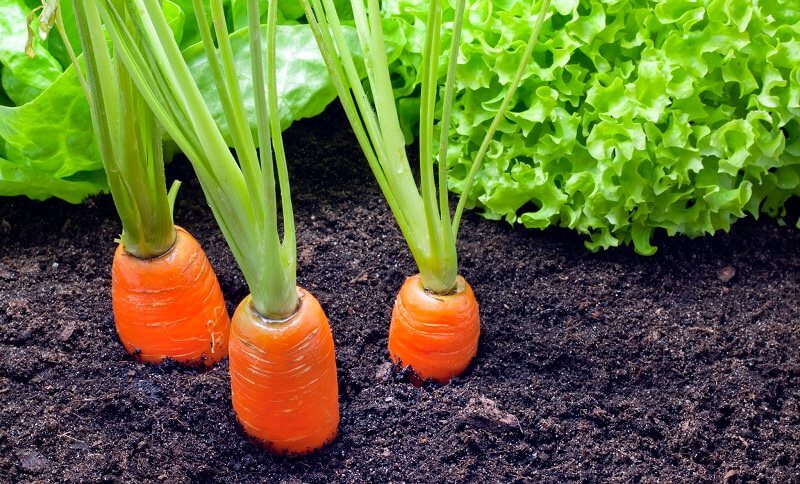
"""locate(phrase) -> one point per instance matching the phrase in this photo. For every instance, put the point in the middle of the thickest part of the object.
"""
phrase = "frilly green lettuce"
(635, 115)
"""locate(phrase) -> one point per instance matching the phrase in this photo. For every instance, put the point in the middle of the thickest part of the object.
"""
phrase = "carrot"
(435, 324)
(170, 306)
(282, 364)
(283, 377)
(166, 299)
(437, 336)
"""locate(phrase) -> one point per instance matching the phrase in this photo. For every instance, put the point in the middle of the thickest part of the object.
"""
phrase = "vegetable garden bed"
(683, 366)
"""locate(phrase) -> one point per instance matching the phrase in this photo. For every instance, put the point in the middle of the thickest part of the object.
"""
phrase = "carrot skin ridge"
(436, 335)
(284, 388)
(170, 306)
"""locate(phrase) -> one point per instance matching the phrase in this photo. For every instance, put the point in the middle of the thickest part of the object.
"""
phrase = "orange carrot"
(283, 377)
(282, 363)
(437, 335)
(170, 306)
(435, 323)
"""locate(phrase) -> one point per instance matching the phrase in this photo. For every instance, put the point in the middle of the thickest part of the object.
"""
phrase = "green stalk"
(242, 197)
(450, 254)
(283, 283)
(423, 212)
(388, 140)
(387, 160)
(429, 74)
(441, 275)
(246, 147)
(476, 164)
(377, 128)
(364, 127)
(129, 140)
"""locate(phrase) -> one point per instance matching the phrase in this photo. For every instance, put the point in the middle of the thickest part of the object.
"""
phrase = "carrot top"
(243, 195)
(423, 213)
(128, 137)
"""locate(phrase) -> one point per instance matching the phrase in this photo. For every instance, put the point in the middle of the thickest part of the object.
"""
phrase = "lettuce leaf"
(635, 116)
(53, 133)
(46, 139)
(23, 78)
(16, 179)
(304, 87)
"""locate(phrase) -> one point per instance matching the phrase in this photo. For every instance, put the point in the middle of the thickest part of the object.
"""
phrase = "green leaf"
(53, 133)
(635, 115)
(24, 78)
(289, 11)
(304, 88)
(17, 179)
(190, 34)
(176, 18)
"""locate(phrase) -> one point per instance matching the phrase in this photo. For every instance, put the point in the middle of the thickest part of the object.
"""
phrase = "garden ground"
(681, 367)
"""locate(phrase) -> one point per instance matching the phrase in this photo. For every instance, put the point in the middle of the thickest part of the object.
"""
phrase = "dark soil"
(682, 367)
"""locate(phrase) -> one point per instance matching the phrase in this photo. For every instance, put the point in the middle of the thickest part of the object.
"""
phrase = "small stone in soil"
(730, 475)
(384, 370)
(33, 462)
(6, 275)
(726, 273)
(66, 333)
(484, 412)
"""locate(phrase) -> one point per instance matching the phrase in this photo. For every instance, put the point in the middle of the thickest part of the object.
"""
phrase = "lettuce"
(47, 146)
(17, 179)
(636, 115)
(46, 143)
(23, 78)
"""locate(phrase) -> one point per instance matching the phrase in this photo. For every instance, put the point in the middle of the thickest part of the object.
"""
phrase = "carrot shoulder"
(437, 335)
(283, 377)
(170, 306)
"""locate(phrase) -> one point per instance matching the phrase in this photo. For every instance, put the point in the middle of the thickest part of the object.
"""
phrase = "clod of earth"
(66, 333)
(484, 412)
(726, 273)
(33, 462)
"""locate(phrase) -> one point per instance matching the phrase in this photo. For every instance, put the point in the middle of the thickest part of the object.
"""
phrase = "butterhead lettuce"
(47, 147)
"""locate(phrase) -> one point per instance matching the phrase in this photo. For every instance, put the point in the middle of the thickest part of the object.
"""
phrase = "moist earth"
(681, 367)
